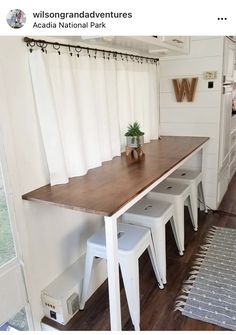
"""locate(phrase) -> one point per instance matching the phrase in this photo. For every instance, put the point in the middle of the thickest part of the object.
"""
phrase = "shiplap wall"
(202, 116)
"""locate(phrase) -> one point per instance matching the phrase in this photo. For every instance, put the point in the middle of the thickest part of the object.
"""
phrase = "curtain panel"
(84, 106)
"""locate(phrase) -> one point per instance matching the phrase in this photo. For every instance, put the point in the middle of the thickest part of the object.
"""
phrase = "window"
(18, 322)
(7, 248)
(13, 297)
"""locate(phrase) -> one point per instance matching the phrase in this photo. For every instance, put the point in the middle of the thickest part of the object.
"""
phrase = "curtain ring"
(88, 53)
(70, 52)
(78, 51)
(42, 45)
(95, 54)
(31, 45)
(56, 46)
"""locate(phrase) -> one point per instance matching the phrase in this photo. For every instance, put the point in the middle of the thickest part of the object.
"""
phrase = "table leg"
(113, 272)
(204, 155)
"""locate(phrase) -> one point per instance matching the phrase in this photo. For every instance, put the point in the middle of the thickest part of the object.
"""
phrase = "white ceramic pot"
(135, 141)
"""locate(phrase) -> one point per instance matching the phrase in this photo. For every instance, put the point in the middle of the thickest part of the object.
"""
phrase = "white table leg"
(113, 272)
(204, 157)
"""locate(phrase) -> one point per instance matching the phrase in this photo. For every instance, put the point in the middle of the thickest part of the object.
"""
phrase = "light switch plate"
(210, 75)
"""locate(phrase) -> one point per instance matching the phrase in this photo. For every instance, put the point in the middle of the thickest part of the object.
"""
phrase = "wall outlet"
(210, 75)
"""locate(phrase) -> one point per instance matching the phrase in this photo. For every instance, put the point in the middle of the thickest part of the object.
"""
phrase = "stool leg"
(130, 274)
(179, 220)
(158, 233)
(191, 202)
(175, 233)
(86, 280)
(202, 198)
(152, 256)
(194, 203)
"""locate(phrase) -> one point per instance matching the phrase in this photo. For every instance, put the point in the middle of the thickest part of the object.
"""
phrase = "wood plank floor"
(157, 306)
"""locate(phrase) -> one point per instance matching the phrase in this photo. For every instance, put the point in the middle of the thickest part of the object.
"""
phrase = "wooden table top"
(106, 189)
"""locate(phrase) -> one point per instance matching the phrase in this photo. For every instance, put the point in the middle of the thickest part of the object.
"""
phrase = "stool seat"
(132, 242)
(171, 188)
(129, 239)
(149, 208)
(154, 215)
(185, 174)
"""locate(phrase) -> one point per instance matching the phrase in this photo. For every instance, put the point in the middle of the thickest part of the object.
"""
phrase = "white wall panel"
(190, 66)
(211, 175)
(190, 129)
(197, 38)
(189, 115)
(202, 99)
(210, 190)
(202, 116)
(211, 161)
(194, 162)
(207, 47)
(211, 202)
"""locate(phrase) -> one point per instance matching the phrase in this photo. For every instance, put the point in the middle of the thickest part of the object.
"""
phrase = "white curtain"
(84, 106)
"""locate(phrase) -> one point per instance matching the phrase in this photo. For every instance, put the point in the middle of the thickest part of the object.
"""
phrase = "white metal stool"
(132, 242)
(154, 215)
(177, 194)
(194, 179)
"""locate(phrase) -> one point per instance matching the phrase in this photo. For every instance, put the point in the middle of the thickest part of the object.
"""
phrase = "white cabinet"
(180, 42)
(151, 46)
(162, 46)
(229, 58)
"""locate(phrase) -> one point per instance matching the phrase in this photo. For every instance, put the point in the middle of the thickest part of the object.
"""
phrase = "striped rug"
(209, 294)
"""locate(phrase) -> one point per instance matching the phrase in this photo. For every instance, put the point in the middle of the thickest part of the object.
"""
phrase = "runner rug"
(209, 294)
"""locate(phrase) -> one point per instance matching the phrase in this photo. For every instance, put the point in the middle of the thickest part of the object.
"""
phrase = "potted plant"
(134, 135)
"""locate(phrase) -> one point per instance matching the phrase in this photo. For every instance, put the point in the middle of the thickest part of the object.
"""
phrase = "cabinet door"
(181, 42)
(225, 127)
(229, 56)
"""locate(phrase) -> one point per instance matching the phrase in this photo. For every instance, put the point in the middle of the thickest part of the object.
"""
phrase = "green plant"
(134, 131)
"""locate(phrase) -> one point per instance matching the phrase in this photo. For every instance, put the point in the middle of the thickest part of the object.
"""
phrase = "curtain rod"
(56, 45)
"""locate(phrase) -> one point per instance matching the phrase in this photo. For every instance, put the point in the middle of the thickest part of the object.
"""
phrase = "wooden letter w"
(185, 88)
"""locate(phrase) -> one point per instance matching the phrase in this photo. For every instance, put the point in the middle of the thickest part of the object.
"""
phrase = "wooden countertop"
(104, 190)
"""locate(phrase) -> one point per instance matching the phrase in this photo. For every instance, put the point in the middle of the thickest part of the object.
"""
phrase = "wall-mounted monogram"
(185, 88)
